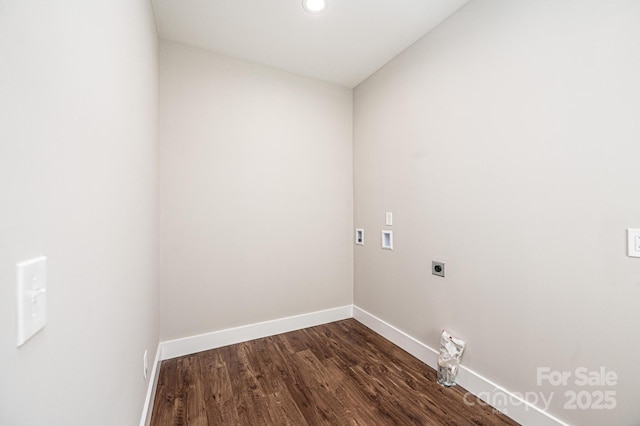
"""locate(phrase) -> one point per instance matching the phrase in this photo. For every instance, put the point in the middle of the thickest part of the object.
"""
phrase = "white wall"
(506, 143)
(78, 154)
(256, 205)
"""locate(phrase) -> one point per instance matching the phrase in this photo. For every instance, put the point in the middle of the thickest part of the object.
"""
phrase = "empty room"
(319, 212)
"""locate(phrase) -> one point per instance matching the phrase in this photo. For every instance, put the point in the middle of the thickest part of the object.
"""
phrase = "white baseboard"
(416, 348)
(145, 420)
(217, 339)
(515, 407)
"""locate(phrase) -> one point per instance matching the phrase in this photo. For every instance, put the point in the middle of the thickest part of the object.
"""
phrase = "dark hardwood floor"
(335, 374)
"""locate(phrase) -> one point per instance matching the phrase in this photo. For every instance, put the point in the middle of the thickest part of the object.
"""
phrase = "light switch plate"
(360, 236)
(633, 242)
(32, 297)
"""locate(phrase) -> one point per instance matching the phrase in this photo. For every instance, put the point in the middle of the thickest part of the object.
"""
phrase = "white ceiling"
(344, 45)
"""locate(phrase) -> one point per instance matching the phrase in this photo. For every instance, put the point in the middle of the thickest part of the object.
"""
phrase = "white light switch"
(633, 242)
(32, 297)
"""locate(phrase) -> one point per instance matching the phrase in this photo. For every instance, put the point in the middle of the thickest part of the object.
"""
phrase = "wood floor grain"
(340, 373)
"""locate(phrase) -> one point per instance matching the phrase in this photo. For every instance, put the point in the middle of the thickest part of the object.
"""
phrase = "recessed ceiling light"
(314, 6)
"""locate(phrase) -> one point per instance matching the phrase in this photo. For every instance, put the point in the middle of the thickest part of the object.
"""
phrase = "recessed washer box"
(387, 240)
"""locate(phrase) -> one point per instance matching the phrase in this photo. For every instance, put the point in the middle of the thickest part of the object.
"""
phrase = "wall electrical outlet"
(145, 364)
(388, 218)
(437, 268)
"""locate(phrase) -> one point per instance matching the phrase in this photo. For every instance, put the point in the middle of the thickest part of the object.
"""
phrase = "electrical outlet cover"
(145, 364)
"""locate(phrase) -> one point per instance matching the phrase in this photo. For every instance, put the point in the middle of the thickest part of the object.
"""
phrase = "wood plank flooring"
(340, 373)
